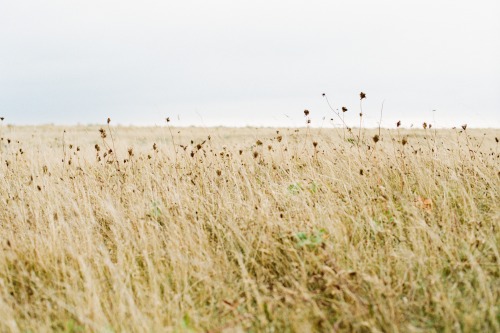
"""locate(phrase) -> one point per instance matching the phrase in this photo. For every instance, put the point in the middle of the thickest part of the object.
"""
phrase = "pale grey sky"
(253, 62)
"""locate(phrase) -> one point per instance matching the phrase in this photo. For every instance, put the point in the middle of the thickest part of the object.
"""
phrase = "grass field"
(249, 230)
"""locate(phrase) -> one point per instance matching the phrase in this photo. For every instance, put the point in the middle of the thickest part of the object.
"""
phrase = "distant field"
(249, 230)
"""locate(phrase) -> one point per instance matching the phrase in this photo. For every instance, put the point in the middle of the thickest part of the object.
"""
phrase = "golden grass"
(248, 231)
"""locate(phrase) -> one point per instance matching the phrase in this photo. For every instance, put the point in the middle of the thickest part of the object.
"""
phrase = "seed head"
(279, 138)
(109, 120)
(130, 152)
(97, 148)
(2, 118)
(362, 95)
(424, 125)
(398, 123)
(167, 119)
(376, 138)
(404, 141)
(258, 143)
(155, 146)
(315, 144)
(323, 94)
(464, 127)
(219, 172)
(496, 139)
(103, 133)
(344, 109)
(255, 154)
(306, 113)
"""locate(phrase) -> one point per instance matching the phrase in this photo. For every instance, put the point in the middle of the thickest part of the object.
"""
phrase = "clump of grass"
(314, 233)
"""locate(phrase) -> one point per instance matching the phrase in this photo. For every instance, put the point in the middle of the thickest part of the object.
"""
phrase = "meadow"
(164, 229)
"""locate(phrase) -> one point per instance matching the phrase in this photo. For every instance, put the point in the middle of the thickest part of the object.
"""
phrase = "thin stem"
(64, 151)
(343, 127)
(331, 108)
(360, 119)
(380, 121)
(114, 150)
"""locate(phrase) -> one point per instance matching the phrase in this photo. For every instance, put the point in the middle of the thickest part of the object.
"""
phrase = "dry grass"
(250, 230)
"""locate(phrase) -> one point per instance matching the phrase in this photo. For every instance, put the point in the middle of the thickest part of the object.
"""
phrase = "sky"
(250, 63)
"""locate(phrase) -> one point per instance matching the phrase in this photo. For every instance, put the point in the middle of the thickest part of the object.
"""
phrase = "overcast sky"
(259, 62)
